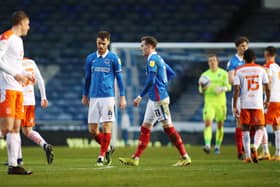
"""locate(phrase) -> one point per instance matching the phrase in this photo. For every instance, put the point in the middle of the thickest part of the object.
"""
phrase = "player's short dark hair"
(271, 50)
(213, 55)
(240, 40)
(18, 16)
(103, 35)
(150, 40)
(249, 55)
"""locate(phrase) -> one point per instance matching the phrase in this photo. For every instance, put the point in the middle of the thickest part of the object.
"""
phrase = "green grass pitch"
(75, 167)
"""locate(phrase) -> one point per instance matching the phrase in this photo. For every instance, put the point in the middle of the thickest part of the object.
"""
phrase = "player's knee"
(245, 127)
(25, 131)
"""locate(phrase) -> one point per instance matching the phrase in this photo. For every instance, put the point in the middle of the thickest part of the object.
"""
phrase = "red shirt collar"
(268, 63)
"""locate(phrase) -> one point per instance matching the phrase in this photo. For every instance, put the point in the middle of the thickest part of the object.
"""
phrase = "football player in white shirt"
(11, 97)
(272, 116)
(29, 107)
(250, 80)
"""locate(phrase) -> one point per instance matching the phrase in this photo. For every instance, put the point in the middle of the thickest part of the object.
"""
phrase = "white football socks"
(258, 138)
(265, 141)
(13, 144)
(246, 143)
(36, 138)
(277, 142)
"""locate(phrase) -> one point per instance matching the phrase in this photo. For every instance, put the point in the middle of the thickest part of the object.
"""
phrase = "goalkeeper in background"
(213, 84)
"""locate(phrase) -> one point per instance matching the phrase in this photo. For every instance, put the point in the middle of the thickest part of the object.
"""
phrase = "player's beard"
(101, 50)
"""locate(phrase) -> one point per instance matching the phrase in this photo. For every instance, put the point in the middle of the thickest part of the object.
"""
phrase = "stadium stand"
(63, 33)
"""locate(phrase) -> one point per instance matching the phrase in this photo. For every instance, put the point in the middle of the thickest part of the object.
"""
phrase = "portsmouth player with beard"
(101, 69)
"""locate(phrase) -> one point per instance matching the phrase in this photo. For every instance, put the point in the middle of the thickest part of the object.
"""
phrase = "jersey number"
(252, 83)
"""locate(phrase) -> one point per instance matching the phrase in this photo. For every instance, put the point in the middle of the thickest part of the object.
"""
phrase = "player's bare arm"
(267, 93)
(231, 77)
(235, 97)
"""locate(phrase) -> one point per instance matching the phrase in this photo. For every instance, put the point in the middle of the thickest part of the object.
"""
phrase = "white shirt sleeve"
(40, 81)
(3, 64)
(265, 77)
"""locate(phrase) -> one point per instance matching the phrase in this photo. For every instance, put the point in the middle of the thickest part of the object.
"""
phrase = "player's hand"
(122, 104)
(31, 78)
(85, 101)
(20, 78)
(236, 112)
(137, 101)
(220, 89)
(44, 103)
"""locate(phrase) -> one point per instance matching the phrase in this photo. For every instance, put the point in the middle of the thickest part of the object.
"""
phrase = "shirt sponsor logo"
(102, 69)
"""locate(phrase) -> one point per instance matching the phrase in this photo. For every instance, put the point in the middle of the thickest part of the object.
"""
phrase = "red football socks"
(98, 138)
(238, 140)
(105, 142)
(143, 141)
(176, 139)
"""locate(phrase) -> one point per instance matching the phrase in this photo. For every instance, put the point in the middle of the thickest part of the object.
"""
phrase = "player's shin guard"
(105, 142)
(277, 142)
(207, 133)
(265, 141)
(98, 138)
(176, 139)
(246, 143)
(143, 141)
(258, 138)
(13, 140)
(238, 140)
(219, 136)
(36, 138)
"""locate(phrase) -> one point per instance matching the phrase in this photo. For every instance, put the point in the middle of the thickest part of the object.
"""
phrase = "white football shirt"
(11, 55)
(274, 74)
(251, 78)
(28, 87)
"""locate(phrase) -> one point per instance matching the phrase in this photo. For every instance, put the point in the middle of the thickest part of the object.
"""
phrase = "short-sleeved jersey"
(11, 55)
(218, 78)
(100, 73)
(273, 71)
(234, 63)
(250, 78)
(30, 66)
(156, 64)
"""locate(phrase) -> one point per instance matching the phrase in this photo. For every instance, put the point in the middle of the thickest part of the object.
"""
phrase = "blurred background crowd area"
(63, 33)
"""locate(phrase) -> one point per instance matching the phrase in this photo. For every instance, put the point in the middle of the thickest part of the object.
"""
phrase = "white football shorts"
(101, 110)
(157, 111)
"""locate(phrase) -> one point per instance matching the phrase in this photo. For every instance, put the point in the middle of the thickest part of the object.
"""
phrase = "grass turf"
(76, 167)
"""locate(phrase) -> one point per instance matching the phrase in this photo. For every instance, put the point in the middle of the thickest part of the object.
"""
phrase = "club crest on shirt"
(110, 114)
(152, 63)
(107, 61)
